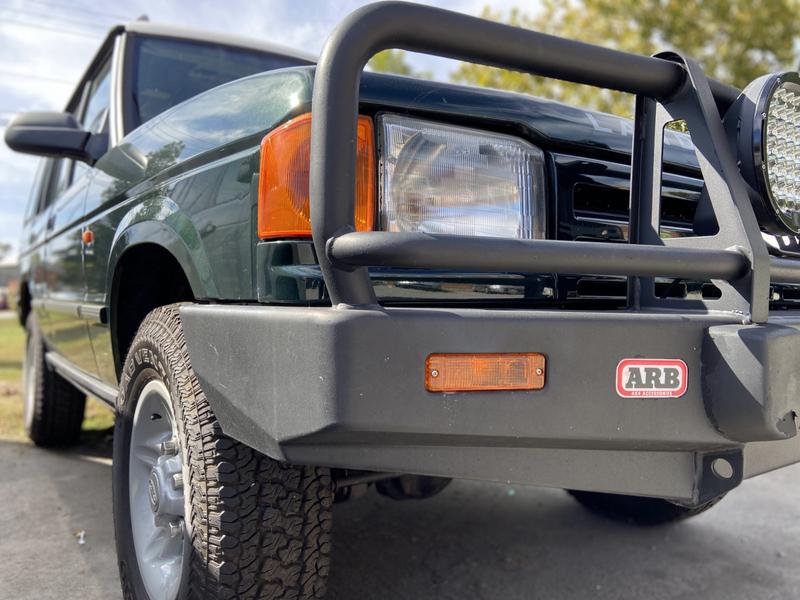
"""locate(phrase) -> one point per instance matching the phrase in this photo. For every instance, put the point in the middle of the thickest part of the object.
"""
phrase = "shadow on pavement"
(484, 541)
(98, 443)
(474, 541)
(48, 499)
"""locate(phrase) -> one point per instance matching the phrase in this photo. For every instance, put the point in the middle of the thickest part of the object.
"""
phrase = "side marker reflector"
(484, 372)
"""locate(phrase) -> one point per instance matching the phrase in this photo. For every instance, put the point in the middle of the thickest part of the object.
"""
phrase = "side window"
(56, 181)
(60, 178)
(95, 118)
(35, 199)
(57, 175)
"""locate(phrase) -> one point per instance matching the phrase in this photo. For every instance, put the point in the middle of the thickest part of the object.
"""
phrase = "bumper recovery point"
(346, 388)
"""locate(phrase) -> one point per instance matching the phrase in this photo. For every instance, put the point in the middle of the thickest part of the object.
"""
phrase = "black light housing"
(764, 127)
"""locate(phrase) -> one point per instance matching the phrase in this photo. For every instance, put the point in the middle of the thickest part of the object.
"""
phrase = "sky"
(45, 45)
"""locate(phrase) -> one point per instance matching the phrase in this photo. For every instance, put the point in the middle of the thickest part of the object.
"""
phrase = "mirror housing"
(53, 134)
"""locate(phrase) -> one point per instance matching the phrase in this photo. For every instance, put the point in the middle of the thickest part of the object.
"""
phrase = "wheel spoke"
(156, 501)
(155, 545)
(145, 453)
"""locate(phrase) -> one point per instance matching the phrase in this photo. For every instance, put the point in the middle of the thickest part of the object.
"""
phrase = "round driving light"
(766, 123)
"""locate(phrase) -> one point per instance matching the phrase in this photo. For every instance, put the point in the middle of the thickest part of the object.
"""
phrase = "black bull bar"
(667, 87)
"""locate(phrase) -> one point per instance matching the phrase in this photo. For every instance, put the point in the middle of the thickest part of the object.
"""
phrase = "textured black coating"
(378, 248)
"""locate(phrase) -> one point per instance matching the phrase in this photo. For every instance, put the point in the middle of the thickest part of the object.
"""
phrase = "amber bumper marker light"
(484, 372)
(283, 194)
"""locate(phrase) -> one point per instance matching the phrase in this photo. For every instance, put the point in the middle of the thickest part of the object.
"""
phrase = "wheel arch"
(145, 275)
(156, 255)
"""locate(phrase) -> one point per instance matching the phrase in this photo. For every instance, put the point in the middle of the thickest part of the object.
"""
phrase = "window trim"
(106, 50)
(127, 111)
(116, 129)
(89, 85)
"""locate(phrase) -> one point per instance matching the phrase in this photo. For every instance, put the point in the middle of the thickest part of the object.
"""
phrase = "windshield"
(168, 71)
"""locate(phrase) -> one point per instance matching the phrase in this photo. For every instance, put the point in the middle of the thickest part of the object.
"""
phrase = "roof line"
(149, 28)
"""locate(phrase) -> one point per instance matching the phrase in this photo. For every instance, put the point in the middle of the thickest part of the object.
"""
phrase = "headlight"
(767, 124)
(444, 179)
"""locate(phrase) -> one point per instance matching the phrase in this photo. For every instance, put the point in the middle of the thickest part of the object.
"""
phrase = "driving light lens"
(454, 180)
(782, 149)
(764, 125)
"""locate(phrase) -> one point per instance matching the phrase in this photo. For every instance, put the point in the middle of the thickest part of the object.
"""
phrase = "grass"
(12, 347)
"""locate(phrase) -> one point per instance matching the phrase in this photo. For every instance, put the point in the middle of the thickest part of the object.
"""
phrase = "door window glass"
(39, 182)
(60, 176)
(96, 113)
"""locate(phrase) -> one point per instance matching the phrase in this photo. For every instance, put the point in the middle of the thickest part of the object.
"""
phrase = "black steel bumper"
(345, 388)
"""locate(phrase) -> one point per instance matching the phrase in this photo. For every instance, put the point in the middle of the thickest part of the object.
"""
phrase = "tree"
(734, 40)
(394, 61)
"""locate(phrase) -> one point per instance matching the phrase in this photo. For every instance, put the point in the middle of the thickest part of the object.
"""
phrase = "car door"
(67, 313)
(63, 264)
(31, 255)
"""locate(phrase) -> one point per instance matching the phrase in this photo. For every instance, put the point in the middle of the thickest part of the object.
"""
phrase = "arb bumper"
(346, 388)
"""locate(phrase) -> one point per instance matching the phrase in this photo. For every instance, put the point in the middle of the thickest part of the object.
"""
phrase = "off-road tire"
(637, 510)
(257, 528)
(54, 411)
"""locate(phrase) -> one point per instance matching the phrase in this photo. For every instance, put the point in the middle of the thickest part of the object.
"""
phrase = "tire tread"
(259, 528)
(58, 406)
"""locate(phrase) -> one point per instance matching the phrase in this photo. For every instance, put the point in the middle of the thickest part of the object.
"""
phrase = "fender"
(159, 220)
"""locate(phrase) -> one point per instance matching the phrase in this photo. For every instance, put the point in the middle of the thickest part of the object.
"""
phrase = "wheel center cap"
(153, 491)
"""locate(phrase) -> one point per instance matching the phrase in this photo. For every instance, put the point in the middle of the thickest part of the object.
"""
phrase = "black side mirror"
(53, 134)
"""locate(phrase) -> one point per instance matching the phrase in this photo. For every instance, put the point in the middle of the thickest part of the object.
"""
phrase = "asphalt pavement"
(475, 540)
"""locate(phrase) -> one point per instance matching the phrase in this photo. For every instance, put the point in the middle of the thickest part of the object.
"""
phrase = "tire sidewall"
(31, 372)
(145, 363)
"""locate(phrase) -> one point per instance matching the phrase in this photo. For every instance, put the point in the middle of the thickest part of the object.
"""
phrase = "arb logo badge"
(650, 378)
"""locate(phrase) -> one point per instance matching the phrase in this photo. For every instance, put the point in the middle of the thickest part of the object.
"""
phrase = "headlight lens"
(766, 123)
(439, 178)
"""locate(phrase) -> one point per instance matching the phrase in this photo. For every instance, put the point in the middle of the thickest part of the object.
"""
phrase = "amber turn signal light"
(283, 194)
(484, 372)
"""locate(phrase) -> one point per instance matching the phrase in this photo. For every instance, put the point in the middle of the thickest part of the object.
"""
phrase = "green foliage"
(394, 61)
(734, 40)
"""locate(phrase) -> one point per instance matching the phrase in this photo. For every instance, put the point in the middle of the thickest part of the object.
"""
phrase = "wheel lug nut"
(177, 481)
(169, 448)
(175, 527)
